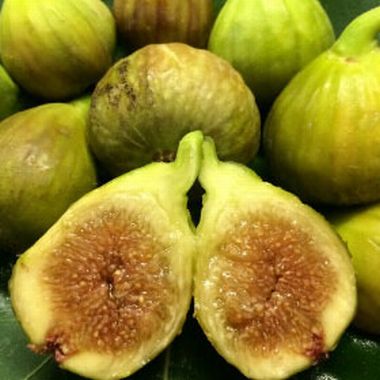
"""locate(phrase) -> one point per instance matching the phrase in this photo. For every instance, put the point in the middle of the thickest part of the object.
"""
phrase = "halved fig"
(274, 285)
(109, 285)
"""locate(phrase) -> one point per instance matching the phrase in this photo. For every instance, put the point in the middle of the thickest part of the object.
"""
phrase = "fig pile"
(104, 154)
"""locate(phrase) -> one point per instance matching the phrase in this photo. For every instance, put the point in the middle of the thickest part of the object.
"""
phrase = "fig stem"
(360, 36)
(82, 104)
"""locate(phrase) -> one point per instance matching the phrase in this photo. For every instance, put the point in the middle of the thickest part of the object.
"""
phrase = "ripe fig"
(56, 49)
(142, 22)
(360, 230)
(9, 95)
(270, 41)
(109, 285)
(45, 165)
(322, 136)
(149, 100)
(274, 285)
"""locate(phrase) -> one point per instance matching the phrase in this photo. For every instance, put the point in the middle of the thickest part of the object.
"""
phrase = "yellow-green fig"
(142, 22)
(149, 100)
(322, 136)
(45, 165)
(108, 287)
(270, 41)
(56, 49)
(9, 95)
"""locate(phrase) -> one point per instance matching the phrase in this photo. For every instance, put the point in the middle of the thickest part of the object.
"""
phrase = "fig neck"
(361, 36)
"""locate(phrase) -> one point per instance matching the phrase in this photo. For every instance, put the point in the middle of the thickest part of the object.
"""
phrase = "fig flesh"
(149, 100)
(274, 285)
(143, 22)
(9, 95)
(322, 136)
(268, 42)
(109, 285)
(56, 49)
(45, 165)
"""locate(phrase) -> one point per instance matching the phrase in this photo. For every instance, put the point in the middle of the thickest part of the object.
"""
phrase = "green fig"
(108, 287)
(149, 100)
(274, 284)
(360, 230)
(270, 41)
(322, 136)
(143, 22)
(9, 95)
(45, 165)
(56, 49)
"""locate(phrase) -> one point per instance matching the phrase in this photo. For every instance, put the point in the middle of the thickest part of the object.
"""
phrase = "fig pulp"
(322, 136)
(109, 285)
(274, 285)
(143, 22)
(268, 42)
(45, 165)
(56, 49)
(9, 95)
(148, 101)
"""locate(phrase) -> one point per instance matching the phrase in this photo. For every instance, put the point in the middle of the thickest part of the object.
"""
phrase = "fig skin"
(359, 228)
(268, 42)
(9, 95)
(143, 22)
(156, 194)
(149, 100)
(56, 49)
(322, 136)
(45, 165)
(259, 331)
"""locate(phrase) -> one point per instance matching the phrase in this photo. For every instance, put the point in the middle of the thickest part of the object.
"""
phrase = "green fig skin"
(144, 22)
(56, 49)
(322, 136)
(359, 229)
(274, 286)
(9, 95)
(149, 100)
(45, 165)
(268, 42)
(139, 225)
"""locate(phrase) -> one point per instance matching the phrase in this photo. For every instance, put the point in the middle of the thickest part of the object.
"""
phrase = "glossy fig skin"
(56, 49)
(149, 100)
(268, 42)
(322, 136)
(45, 165)
(142, 22)
(9, 95)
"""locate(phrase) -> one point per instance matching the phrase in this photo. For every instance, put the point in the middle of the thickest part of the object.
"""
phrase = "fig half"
(109, 285)
(274, 284)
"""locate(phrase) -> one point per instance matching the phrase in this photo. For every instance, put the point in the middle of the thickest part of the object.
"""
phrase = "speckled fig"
(142, 22)
(274, 284)
(149, 100)
(270, 41)
(108, 287)
(45, 165)
(9, 95)
(359, 228)
(56, 49)
(322, 136)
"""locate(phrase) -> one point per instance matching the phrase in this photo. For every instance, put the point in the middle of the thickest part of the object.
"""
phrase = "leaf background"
(191, 357)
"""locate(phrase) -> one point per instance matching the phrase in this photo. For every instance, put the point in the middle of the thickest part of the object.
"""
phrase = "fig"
(270, 41)
(274, 285)
(359, 228)
(142, 22)
(149, 100)
(45, 165)
(56, 49)
(9, 95)
(109, 285)
(322, 136)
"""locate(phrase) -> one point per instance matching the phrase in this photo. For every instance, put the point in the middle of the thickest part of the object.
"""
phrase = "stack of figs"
(128, 134)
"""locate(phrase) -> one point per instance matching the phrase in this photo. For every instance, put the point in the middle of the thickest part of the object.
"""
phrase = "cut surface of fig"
(108, 287)
(274, 285)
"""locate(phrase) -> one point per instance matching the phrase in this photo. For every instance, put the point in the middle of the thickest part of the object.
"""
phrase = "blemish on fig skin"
(316, 349)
